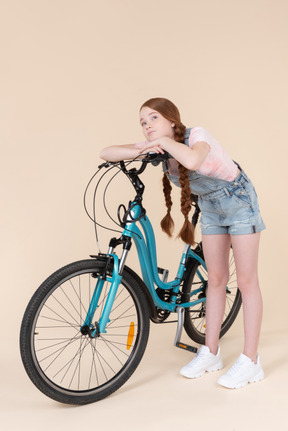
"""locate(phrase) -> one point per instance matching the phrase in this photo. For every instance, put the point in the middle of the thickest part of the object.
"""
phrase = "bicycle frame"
(146, 249)
(81, 365)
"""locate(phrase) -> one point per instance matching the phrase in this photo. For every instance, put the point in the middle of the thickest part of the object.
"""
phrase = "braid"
(179, 132)
(169, 111)
(187, 231)
(167, 223)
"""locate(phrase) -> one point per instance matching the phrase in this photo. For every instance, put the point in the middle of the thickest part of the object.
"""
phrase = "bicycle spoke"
(61, 350)
(109, 347)
(195, 317)
(73, 360)
(57, 314)
(81, 304)
(69, 324)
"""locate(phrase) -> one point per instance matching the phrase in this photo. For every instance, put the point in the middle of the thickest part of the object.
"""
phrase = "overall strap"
(186, 142)
(193, 197)
(187, 135)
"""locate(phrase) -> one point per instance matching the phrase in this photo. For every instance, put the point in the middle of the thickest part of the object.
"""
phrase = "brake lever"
(107, 164)
(156, 158)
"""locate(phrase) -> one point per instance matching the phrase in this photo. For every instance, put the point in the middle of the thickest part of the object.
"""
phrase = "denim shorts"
(233, 209)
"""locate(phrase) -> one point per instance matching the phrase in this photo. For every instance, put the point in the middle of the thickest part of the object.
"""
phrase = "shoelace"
(235, 368)
(199, 356)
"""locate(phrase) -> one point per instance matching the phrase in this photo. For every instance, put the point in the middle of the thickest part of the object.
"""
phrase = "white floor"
(157, 397)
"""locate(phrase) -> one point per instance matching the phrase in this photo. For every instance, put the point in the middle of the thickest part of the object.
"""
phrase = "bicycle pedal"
(186, 347)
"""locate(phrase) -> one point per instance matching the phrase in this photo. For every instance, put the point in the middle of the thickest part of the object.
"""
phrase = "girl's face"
(154, 125)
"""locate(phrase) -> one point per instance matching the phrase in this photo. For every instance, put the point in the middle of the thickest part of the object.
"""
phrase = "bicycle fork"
(115, 280)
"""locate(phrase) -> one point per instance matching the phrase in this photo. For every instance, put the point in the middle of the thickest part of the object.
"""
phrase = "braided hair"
(169, 111)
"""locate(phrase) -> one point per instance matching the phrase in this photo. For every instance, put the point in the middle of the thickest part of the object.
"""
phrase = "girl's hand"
(140, 145)
(157, 146)
(190, 158)
(152, 149)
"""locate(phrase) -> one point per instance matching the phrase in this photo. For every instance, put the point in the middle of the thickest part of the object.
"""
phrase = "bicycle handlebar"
(154, 158)
(133, 175)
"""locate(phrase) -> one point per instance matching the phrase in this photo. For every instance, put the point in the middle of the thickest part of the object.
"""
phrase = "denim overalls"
(226, 206)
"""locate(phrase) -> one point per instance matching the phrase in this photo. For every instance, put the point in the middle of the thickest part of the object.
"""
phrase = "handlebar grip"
(156, 158)
(152, 157)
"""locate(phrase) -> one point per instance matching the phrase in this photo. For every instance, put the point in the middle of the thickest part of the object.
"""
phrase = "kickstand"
(177, 342)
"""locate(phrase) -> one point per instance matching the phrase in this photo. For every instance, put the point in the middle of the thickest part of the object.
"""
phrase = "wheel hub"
(91, 332)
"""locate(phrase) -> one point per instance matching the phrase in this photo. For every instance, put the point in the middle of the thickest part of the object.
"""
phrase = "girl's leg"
(216, 251)
(245, 250)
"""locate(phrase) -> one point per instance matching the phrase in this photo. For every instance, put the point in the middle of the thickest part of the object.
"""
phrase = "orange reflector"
(204, 326)
(184, 346)
(130, 335)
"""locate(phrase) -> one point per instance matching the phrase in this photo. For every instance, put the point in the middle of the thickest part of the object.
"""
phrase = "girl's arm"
(115, 153)
(190, 158)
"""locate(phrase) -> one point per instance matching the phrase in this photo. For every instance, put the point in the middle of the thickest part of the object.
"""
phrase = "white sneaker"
(203, 361)
(244, 371)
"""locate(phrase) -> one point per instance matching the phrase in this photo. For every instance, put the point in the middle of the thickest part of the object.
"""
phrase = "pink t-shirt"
(218, 163)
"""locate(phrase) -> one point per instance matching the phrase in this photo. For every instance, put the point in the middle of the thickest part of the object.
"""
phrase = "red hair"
(169, 111)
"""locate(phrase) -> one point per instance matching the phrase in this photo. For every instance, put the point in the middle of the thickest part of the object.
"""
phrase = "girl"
(230, 215)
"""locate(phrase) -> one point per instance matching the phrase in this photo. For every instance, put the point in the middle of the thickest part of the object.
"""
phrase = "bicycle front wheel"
(194, 289)
(66, 365)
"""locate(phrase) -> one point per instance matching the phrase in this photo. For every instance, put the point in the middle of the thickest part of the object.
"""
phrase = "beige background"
(73, 75)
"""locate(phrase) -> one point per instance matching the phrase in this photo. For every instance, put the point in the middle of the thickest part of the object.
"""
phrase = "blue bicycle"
(86, 327)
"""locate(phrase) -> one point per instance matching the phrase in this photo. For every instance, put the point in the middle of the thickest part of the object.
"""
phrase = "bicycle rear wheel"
(66, 365)
(195, 316)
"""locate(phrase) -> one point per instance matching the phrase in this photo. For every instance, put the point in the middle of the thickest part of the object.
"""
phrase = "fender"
(150, 303)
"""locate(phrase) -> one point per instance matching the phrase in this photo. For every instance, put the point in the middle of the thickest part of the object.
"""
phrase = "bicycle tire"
(67, 366)
(194, 321)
